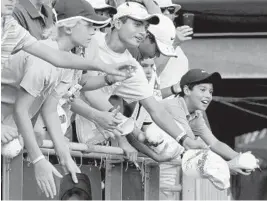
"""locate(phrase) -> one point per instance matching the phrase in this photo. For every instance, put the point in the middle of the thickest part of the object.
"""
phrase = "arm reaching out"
(43, 169)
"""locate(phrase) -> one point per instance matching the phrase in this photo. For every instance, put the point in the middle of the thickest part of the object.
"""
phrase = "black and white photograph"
(133, 99)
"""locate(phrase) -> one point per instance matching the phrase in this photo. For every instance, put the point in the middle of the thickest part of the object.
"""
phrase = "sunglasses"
(171, 10)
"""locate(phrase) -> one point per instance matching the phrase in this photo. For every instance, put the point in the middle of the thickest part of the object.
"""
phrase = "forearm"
(95, 82)
(167, 123)
(143, 148)
(151, 7)
(93, 97)
(80, 107)
(166, 92)
(25, 128)
(63, 59)
(224, 150)
(52, 122)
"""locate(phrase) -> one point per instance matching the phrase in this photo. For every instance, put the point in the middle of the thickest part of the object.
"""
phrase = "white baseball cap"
(135, 11)
(164, 34)
(168, 3)
(101, 4)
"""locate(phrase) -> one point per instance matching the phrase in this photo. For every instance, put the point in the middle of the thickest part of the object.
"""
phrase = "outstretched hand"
(123, 69)
(44, 175)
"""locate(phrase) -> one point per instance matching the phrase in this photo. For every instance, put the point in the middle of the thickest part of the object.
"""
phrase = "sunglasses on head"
(171, 10)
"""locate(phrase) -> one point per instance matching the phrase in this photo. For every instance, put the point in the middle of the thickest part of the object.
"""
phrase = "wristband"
(107, 80)
(172, 90)
(38, 159)
(182, 139)
(111, 109)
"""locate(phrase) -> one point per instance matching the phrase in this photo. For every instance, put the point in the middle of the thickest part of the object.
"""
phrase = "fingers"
(243, 173)
(54, 170)
(8, 137)
(44, 189)
(74, 177)
(48, 187)
(51, 187)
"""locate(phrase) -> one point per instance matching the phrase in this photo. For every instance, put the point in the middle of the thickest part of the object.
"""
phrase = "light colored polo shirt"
(194, 123)
(14, 38)
(33, 21)
(34, 75)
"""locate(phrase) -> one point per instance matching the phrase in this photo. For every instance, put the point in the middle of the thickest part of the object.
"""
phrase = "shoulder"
(174, 107)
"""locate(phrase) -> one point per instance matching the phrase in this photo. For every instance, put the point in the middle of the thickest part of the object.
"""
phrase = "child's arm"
(52, 122)
(106, 120)
(43, 169)
(90, 83)
(146, 150)
(68, 60)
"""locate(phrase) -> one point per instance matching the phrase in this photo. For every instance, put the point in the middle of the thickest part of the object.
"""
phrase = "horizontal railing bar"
(177, 188)
(98, 152)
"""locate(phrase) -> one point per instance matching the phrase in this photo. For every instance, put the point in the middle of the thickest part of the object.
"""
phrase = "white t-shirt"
(175, 68)
(35, 75)
(133, 89)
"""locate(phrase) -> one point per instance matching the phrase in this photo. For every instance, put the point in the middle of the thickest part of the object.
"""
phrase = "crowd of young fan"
(125, 59)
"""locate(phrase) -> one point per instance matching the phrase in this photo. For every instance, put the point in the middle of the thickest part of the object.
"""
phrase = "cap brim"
(98, 21)
(166, 50)
(112, 10)
(151, 19)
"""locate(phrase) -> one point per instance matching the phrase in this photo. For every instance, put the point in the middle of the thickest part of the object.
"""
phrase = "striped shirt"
(14, 38)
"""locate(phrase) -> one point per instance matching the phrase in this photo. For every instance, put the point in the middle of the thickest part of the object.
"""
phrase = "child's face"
(147, 65)
(7, 7)
(82, 33)
(200, 96)
(132, 32)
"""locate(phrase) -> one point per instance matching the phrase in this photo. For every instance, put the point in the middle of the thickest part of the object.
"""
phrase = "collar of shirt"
(189, 116)
(31, 9)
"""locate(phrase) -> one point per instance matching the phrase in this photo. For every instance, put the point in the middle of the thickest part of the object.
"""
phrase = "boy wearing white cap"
(130, 24)
(167, 66)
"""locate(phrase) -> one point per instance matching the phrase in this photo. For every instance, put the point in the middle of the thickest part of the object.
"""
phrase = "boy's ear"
(117, 23)
(186, 90)
(68, 30)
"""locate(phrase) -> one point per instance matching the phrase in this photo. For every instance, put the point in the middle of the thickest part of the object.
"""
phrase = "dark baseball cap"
(81, 190)
(75, 9)
(199, 76)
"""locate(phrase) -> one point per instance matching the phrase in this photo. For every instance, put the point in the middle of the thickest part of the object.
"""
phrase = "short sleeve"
(199, 126)
(35, 77)
(25, 39)
(14, 38)
(135, 88)
(179, 115)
